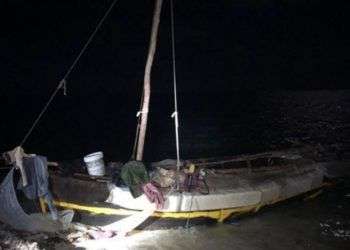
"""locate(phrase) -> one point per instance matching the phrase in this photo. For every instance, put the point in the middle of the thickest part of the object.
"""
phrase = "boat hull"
(232, 190)
(238, 191)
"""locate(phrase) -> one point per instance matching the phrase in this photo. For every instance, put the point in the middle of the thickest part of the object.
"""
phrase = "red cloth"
(154, 195)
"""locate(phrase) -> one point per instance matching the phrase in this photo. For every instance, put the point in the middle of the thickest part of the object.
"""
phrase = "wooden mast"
(147, 79)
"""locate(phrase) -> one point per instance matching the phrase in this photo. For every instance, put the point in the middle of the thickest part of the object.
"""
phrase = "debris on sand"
(335, 229)
(13, 239)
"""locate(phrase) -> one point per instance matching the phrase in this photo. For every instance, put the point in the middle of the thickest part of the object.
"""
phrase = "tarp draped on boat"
(11, 212)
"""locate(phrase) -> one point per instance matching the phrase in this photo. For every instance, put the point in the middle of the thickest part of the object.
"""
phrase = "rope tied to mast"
(63, 83)
(140, 112)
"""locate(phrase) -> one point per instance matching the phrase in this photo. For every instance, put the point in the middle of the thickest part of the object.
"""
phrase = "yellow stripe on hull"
(219, 215)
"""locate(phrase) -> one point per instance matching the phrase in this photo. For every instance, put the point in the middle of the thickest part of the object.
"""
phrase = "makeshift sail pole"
(175, 115)
(147, 80)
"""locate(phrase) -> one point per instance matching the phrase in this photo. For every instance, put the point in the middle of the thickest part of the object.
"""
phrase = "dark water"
(211, 124)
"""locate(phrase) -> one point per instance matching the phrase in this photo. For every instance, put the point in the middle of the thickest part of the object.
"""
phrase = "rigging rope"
(62, 84)
(175, 115)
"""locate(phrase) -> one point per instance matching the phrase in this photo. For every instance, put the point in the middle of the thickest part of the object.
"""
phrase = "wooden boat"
(236, 184)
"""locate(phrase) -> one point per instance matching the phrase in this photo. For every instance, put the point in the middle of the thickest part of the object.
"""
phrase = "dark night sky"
(222, 47)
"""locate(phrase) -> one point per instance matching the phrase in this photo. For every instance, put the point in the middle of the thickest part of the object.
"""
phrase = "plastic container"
(94, 163)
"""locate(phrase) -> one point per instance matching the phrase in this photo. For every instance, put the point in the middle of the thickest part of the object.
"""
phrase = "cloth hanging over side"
(15, 158)
(134, 175)
(37, 174)
(38, 181)
(12, 213)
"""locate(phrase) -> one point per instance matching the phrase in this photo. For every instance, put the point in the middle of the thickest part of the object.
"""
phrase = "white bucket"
(94, 163)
